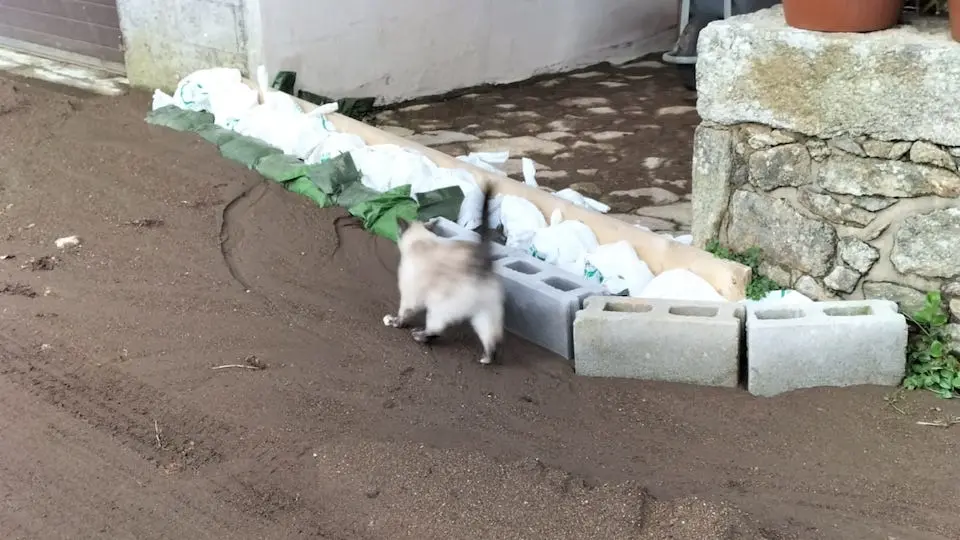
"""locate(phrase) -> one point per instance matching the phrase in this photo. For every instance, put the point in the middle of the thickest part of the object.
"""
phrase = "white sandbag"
(576, 198)
(334, 144)
(521, 219)
(220, 91)
(619, 268)
(387, 166)
(564, 244)
(680, 284)
(304, 133)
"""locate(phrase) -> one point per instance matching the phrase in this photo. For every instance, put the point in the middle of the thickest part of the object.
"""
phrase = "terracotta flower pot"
(843, 15)
(953, 9)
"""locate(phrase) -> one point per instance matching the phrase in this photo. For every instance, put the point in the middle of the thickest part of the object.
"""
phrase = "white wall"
(396, 49)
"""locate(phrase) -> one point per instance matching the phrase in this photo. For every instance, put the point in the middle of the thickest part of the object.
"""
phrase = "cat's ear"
(431, 224)
(402, 225)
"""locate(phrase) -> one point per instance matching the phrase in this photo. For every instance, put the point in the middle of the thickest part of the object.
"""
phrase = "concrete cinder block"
(663, 340)
(841, 343)
(448, 229)
(541, 299)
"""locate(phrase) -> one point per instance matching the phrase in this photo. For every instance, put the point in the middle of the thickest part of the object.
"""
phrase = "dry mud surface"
(114, 424)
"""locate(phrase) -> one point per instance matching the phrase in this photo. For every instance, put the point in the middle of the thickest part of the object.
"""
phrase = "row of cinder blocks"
(541, 299)
(788, 347)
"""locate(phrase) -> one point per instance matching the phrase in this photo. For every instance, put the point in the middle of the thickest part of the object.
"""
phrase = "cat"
(452, 280)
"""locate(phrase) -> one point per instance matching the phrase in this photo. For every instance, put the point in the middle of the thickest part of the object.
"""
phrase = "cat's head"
(412, 230)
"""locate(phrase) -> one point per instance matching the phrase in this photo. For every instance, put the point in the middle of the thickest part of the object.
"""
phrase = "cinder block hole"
(523, 268)
(561, 284)
(694, 311)
(848, 311)
(627, 307)
(785, 313)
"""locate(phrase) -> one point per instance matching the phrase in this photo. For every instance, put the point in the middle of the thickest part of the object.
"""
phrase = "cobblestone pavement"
(621, 134)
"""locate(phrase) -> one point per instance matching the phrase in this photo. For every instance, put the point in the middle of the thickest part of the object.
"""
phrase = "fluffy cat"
(452, 280)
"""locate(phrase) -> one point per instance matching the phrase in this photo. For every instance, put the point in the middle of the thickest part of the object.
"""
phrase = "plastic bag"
(565, 244)
(681, 284)
(576, 198)
(529, 172)
(686, 239)
(521, 219)
(161, 100)
(487, 160)
(619, 268)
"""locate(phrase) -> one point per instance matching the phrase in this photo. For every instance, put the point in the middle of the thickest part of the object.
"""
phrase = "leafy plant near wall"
(931, 362)
(759, 284)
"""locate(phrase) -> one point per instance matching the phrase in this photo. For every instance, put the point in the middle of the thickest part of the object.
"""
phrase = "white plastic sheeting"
(277, 119)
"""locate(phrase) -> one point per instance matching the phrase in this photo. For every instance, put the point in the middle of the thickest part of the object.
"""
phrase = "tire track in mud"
(108, 401)
(133, 414)
(230, 233)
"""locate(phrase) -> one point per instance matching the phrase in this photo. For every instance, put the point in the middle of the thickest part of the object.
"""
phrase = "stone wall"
(847, 217)
(837, 154)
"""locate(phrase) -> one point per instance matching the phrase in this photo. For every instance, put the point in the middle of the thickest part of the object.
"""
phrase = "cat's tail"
(485, 251)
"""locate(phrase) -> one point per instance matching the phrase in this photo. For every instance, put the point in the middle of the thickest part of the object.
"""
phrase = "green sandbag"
(443, 202)
(356, 108)
(285, 81)
(356, 193)
(247, 150)
(216, 134)
(179, 119)
(281, 168)
(304, 186)
(333, 175)
(380, 214)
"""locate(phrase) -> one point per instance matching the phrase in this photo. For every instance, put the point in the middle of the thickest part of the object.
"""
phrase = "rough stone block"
(714, 166)
(541, 299)
(896, 85)
(787, 237)
(834, 344)
(664, 340)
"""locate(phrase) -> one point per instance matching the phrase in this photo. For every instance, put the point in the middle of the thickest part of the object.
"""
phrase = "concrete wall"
(167, 39)
(397, 50)
(385, 48)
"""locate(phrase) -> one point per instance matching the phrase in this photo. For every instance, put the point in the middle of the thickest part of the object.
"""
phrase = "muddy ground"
(114, 424)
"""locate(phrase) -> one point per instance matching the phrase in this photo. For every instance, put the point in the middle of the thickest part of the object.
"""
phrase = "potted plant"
(843, 15)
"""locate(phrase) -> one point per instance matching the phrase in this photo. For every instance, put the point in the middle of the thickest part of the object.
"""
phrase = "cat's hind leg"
(489, 328)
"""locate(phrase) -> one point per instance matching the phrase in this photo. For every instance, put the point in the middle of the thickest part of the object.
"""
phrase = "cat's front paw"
(391, 320)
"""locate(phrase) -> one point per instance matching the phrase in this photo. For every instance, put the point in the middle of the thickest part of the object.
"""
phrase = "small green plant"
(931, 363)
(760, 284)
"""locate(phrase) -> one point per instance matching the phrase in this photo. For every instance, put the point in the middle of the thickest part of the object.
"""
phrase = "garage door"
(89, 28)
